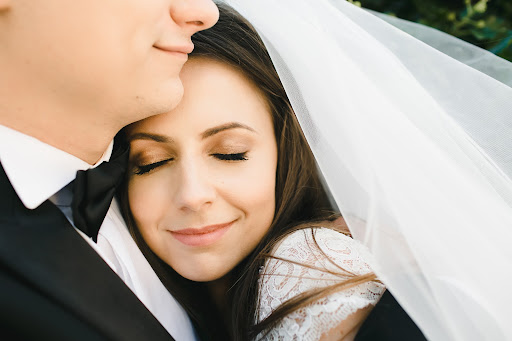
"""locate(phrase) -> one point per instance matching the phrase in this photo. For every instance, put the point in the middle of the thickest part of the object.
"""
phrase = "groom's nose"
(194, 15)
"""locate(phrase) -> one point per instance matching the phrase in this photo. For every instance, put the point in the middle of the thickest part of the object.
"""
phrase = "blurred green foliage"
(485, 23)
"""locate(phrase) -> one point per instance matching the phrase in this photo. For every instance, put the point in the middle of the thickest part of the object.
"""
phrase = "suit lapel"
(41, 248)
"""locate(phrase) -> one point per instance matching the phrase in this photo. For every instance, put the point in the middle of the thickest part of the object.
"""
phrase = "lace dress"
(281, 280)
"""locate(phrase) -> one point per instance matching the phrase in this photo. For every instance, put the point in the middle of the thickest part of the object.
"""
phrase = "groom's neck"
(87, 147)
(86, 143)
(83, 133)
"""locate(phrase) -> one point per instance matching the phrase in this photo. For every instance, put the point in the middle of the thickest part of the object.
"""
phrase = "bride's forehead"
(211, 70)
(218, 78)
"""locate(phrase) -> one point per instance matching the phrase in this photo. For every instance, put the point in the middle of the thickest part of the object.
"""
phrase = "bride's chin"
(203, 275)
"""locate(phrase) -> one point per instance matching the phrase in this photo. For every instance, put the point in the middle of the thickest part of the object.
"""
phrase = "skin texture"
(348, 328)
(195, 185)
(75, 72)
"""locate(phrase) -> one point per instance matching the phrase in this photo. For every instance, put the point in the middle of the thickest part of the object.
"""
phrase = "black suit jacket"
(54, 286)
(389, 322)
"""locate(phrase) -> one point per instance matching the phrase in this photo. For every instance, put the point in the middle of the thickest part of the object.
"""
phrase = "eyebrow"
(207, 133)
(232, 125)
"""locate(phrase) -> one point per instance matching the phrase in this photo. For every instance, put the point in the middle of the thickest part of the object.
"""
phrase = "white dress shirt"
(38, 171)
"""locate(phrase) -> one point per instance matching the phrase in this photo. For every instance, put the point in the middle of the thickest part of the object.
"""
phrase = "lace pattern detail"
(282, 280)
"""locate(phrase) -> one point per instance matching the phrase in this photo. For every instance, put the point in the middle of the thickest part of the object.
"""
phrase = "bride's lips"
(203, 236)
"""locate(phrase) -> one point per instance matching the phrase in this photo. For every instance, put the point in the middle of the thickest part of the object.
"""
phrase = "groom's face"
(122, 57)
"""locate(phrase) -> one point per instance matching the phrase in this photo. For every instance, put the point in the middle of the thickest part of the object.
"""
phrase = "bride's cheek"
(134, 199)
(142, 199)
(151, 196)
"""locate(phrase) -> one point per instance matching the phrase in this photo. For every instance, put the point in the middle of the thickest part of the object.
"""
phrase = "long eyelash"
(143, 169)
(231, 157)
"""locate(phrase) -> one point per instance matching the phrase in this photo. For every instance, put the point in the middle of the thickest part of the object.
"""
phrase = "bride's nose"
(194, 188)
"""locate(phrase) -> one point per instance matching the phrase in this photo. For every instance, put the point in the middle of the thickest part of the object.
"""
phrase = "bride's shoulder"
(325, 248)
(314, 258)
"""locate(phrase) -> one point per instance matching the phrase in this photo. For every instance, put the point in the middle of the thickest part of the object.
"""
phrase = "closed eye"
(143, 169)
(231, 157)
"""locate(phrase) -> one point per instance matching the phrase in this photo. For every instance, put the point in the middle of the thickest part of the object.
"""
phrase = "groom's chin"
(170, 96)
(163, 100)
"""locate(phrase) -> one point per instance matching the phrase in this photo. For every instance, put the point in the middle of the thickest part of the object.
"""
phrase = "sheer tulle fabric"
(415, 148)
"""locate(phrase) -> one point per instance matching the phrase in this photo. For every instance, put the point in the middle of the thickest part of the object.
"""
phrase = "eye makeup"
(231, 157)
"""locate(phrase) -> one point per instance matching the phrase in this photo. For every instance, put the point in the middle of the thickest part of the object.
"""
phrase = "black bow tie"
(94, 190)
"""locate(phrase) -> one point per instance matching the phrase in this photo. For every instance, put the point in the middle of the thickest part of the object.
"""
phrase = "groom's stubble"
(75, 72)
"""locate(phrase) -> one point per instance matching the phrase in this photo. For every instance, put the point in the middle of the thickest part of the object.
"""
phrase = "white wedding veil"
(414, 140)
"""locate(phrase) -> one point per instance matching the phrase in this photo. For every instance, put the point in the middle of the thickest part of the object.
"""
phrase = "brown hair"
(301, 200)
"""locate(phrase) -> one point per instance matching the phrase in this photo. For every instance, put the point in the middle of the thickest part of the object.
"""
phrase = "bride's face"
(202, 188)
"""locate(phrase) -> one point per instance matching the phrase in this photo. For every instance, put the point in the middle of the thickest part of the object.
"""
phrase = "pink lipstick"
(203, 236)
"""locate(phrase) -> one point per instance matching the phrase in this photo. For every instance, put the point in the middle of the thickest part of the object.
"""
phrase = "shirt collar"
(37, 170)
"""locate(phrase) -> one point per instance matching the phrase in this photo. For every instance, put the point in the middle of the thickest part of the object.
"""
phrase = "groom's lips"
(203, 236)
(178, 50)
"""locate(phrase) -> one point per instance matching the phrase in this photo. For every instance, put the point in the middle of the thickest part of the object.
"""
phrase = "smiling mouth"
(203, 236)
(178, 54)
(181, 51)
